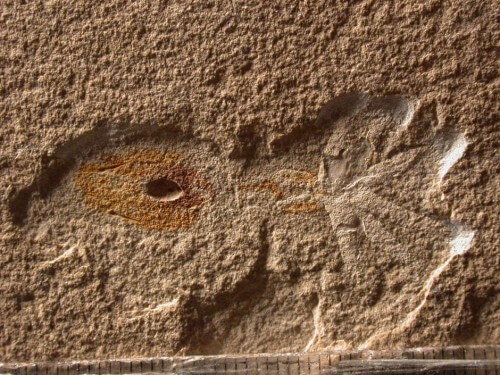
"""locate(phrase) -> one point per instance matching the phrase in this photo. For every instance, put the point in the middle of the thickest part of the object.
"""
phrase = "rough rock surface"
(186, 177)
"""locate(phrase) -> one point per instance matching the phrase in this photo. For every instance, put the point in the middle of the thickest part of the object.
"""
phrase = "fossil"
(300, 227)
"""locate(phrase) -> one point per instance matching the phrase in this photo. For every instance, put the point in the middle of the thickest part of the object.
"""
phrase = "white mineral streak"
(454, 153)
(322, 171)
(351, 185)
(410, 112)
(302, 198)
(167, 305)
(64, 255)
(462, 241)
(459, 244)
(317, 327)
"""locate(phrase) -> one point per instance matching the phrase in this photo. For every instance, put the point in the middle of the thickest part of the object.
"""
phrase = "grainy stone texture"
(207, 177)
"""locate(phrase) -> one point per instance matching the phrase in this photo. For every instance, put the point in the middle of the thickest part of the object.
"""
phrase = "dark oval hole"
(164, 189)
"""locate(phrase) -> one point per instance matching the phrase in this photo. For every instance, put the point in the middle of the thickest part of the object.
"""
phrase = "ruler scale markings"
(454, 359)
(495, 356)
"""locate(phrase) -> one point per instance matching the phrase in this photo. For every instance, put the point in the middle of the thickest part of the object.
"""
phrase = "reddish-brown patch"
(115, 185)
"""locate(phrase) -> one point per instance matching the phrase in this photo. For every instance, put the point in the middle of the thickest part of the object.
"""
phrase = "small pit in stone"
(164, 189)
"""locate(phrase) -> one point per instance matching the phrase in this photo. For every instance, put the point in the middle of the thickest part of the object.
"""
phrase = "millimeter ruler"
(447, 360)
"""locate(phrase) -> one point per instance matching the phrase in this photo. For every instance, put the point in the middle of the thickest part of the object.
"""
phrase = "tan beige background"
(237, 88)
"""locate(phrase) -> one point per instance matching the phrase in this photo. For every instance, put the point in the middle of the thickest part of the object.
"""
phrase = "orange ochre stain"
(114, 185)
(301, 177)
(270, 186)
(302, 208)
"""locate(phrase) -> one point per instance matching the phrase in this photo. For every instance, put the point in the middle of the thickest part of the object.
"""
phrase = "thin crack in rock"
(459, 245)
